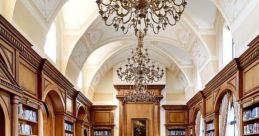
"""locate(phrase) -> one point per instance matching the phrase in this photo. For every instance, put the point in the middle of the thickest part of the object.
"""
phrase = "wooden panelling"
(69, 105)
(28, 78)
(251, 76)
(135, 111)
(8, 54)
(176, 117)
(102, 117)
(209, 104)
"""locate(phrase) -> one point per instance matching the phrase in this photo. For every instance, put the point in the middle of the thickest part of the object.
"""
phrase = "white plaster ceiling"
(123, 52)
(202, 12)
(77, 13)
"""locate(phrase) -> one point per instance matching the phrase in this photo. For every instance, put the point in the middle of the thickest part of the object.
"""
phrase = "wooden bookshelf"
(176, 132)
(210, 128)
(69, 128)
(250, 119)
(102, 132)
(28, 120)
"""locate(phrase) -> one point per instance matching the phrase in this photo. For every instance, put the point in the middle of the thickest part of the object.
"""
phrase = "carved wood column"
(14, 101)
(122, 119)
(157, 119)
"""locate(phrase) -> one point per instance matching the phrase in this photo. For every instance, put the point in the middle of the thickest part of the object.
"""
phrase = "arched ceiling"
(177, 40)
(188, 44)
(117, 57)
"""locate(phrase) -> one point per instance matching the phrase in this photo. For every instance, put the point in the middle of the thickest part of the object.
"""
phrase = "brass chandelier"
(140, 71)
(141, 14)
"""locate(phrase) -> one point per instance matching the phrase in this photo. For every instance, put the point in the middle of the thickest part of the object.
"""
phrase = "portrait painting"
(139, 127)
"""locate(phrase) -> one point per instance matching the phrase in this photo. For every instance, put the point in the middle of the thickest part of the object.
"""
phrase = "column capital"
(15, 99)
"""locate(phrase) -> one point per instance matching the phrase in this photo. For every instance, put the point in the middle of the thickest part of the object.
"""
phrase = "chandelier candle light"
(140, 71)
(141, 14)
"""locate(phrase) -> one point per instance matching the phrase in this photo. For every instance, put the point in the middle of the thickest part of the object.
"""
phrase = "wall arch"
(53, 112)
(6, 124)
(220, 96)
(81, 129)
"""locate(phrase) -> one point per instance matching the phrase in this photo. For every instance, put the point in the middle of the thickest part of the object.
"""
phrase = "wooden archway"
(218, 100)
(81, 130)
(53, 113)
(4, 119)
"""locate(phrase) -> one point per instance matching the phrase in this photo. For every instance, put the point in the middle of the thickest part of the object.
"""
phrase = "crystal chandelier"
(141, 14)
(140, 71)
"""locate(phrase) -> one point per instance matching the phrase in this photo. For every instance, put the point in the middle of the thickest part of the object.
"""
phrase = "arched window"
(228, 46)
(50, 47)
(199, 125)
(231, 121)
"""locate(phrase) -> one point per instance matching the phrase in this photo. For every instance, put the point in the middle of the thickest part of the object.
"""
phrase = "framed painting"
(139, 127)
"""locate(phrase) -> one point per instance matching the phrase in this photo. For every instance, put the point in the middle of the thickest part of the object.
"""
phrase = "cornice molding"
(251, 54)
(226, 73)
(195, 99)
(83, 99)
(55, 75)
(175, 107)
(10, 35)
(103, 107)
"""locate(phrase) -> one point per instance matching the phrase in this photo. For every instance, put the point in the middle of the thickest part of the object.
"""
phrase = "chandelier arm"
(181, 4)
(158, 8)
(153, 18)
(172, 24)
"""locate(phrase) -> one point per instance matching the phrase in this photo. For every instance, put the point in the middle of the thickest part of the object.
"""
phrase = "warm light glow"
(77, 12)
(50, 47)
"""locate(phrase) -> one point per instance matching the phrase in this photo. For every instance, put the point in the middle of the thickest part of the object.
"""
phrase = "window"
(50, 47)
(199, 124)
(228, 46)
(231, 122)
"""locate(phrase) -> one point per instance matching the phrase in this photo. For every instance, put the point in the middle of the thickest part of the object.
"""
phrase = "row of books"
(24, 129)
(210, 126)
(26, 114)
(68, 127)
(68, 134)
(211, 133)
(102, 133)
(251, 128)
(251, 114)
(176, 132)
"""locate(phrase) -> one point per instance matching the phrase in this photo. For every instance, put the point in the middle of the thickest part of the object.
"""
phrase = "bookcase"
(176, 132)
(69, 128)
(251, 120)
(102, 132)
(210, 128)
(28, 120)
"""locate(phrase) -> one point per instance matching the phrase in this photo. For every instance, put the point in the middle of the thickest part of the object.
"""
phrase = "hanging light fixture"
(141, 14)
(140, 71)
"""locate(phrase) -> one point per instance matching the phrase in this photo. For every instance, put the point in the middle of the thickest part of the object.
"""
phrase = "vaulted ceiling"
(189, 48)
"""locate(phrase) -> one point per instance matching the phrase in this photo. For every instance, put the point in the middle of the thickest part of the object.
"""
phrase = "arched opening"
(81, 129)
(2, 124)
(199, 124)
(227, 113)
(53, 121)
